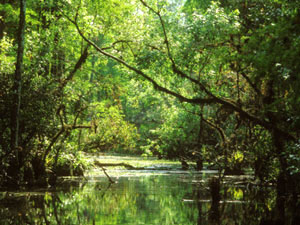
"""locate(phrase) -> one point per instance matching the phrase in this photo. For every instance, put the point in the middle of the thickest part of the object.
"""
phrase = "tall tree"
(15, 111)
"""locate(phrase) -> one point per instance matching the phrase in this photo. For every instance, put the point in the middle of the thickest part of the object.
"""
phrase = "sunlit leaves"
(6, 55)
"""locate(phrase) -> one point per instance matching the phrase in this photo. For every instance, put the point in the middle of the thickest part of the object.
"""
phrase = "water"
(137, 197)
(143, 199)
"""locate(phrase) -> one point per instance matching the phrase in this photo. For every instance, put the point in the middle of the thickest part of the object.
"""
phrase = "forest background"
(214, 82)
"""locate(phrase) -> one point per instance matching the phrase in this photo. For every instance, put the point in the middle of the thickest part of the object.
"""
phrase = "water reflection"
(149, 199)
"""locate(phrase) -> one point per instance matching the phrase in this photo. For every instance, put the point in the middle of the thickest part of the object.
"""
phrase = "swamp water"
(151, 196)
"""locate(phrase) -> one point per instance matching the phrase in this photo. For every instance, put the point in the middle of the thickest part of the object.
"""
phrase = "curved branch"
(251, 83)
(210, 123)
(140, 72)
(219, 129)
(211, 100)
(164, 30)
(174, 66)
(59, 133)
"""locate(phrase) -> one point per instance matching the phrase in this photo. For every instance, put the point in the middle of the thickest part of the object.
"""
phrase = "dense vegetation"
(214, 82)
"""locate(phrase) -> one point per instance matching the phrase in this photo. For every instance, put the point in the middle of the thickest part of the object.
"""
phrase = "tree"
(15, 110)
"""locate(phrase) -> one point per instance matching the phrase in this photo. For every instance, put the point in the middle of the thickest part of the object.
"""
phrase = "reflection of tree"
(153, 199)
(214, 186)
(241, 204)
(199, 206)
(55, 200)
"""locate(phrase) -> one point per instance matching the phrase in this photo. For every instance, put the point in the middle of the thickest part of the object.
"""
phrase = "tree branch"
(251, 84)
(219, 129)
(211, 100)
(79, 63)
(145, 76)
(57, 135)
(174, 66)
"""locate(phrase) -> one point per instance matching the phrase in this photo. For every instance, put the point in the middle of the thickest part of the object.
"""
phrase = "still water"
(137, 197)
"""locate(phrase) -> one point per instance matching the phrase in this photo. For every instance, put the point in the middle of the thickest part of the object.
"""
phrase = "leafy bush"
(109, 131)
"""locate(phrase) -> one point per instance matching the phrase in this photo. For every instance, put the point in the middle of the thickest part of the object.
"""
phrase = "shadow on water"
(145, 198)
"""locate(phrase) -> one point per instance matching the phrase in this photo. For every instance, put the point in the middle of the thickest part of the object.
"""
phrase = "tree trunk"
(282, 178)
(15, 111)
(199, 162)
(15, 148)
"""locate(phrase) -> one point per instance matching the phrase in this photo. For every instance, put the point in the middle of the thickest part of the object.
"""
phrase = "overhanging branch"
(144, 75)
(212, 99)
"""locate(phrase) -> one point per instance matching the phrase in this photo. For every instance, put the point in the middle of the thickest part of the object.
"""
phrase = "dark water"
(138, 198)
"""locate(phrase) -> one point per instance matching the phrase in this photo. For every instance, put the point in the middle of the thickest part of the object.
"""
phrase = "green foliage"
(59, 93)
(71, 164)
(6, 55)
(177, 136)
(109, 132)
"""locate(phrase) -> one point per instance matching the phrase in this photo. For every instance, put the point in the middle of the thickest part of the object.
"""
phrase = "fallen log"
(127, 166)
